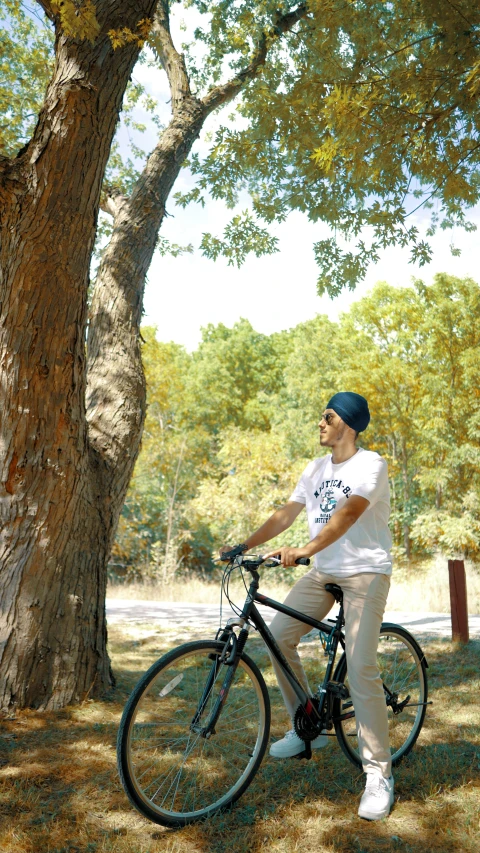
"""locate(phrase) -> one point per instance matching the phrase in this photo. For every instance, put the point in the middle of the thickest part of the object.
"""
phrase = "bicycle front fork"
(229, 657)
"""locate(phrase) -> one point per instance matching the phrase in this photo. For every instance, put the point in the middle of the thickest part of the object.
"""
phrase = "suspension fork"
(208, 729)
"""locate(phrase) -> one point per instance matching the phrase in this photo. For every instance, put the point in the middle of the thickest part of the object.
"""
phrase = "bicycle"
(196, 726)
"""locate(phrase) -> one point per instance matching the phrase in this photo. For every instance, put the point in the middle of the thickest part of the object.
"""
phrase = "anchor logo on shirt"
(328, 501)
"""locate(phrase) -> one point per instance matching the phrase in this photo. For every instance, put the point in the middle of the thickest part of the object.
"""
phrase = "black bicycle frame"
(252, 615)
(334, 633)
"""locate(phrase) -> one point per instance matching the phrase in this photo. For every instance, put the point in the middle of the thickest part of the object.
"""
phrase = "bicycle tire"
(402, 667)
(160, 756)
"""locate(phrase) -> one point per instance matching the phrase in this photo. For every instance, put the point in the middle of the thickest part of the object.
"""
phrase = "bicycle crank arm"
(307, 752)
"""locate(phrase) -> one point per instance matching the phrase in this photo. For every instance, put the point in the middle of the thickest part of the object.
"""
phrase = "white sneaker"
(291, 745)
(377, 799)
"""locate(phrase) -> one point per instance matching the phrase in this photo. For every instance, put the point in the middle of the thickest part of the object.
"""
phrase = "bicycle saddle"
(335, 590)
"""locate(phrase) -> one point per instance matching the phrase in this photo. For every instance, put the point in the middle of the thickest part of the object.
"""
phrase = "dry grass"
(60, 792)
(422, 587)
(425, 587)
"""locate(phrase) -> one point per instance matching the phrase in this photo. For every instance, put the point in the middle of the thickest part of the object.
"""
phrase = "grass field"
(60, 791)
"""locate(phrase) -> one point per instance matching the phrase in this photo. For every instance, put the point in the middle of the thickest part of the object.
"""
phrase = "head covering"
(352, 408)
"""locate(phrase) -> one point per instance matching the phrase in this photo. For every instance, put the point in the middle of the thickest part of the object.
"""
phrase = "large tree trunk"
(74, 405)
(57, 517)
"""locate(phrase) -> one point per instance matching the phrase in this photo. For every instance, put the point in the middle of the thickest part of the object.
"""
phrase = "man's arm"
(278, 522)
(335, 528)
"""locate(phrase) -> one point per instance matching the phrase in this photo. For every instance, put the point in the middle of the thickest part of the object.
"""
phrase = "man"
(346, 496)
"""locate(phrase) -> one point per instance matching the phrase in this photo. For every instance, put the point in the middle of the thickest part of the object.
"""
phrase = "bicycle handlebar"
(227, 556)
(302, 561)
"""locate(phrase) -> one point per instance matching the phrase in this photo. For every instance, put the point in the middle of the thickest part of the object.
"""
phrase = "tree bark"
(406, 499)
(57, 517)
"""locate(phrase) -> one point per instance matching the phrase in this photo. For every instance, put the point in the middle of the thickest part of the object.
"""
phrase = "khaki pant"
(364, 597)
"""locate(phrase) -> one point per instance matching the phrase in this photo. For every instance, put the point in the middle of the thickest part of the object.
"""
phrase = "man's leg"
(365, 597)
(310, 597)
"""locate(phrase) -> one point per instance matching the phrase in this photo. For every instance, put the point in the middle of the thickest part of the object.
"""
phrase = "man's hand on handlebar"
(288, 556)
(231, 551)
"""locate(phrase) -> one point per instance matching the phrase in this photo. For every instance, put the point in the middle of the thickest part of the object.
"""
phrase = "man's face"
(332, 428)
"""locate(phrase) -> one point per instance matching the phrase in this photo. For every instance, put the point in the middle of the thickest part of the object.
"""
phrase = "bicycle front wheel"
(402, 668)
(170, 772)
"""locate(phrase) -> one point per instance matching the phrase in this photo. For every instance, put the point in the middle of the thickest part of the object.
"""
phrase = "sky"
(275, 292)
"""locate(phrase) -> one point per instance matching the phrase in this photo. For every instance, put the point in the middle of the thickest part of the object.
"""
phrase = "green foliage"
(237, 420)
(363, 113)
(356, 115)
(157, 535)
(234, 377)
(255, 476)
(26, 62)
(242, 235)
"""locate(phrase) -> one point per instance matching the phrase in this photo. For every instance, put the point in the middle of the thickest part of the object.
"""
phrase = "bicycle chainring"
(307, 728)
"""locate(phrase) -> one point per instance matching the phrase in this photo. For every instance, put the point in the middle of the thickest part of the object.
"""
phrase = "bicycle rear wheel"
(171, 773)
(402, 668)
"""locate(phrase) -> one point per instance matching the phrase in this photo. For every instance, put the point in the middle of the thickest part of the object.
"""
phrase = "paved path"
(206, 616)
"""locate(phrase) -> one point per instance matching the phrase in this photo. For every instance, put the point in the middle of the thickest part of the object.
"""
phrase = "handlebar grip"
(302, 561)
(230, 555)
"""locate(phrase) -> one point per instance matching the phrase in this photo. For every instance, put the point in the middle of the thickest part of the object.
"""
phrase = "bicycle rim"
(402, 669)
(172, 774)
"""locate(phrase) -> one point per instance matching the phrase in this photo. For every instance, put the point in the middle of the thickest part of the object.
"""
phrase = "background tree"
(449, 460)
(384, 334)
(414, 353)
(157, 535)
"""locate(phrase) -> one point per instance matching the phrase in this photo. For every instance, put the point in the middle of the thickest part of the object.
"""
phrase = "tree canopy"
(363, 112)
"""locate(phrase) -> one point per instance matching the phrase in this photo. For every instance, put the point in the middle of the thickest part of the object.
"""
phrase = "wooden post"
(458, 600)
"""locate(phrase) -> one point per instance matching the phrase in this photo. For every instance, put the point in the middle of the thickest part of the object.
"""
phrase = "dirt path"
(199, 616)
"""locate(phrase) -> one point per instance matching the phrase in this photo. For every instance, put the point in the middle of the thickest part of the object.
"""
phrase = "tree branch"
(47, 8)
(226, 91)
(112, 200)
(172, 62)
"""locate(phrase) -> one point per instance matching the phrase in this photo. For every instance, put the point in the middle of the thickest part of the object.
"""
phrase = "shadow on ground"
(60, 791)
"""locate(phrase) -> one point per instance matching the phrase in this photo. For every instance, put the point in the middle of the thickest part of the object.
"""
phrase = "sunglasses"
(328, 418)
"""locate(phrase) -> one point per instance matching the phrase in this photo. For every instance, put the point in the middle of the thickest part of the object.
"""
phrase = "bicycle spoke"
(401, 671)
(174, 770)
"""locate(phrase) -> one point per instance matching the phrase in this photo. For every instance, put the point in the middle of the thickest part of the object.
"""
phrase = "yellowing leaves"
(124, 36)
(78, 19)
(473, 79)
(324, 156)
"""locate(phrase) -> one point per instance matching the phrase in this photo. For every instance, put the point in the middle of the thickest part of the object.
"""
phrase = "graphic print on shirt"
(329, 493)
(328, 502)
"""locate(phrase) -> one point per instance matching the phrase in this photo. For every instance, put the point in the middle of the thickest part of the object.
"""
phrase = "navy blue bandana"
(352, 408)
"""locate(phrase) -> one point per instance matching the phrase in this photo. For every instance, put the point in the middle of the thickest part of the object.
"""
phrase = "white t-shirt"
(325, 488)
